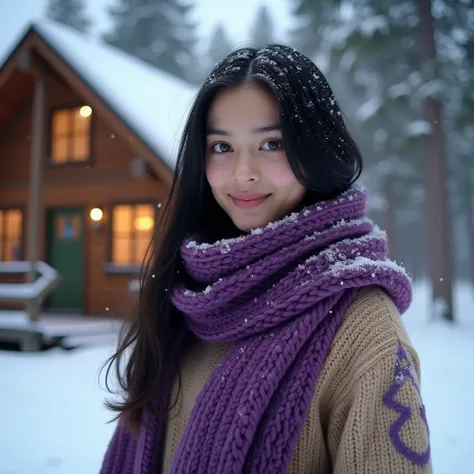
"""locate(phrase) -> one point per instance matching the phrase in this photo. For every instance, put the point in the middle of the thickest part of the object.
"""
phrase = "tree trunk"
(390, 223)
(469, 209)
(439, 228)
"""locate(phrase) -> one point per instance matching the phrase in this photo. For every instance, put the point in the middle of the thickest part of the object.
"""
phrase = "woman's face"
(246, 166)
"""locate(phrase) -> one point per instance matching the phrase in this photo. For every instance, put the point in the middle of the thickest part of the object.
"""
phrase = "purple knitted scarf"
(278, 295)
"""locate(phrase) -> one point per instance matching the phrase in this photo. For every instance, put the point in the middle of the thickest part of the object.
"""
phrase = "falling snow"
(418, 128)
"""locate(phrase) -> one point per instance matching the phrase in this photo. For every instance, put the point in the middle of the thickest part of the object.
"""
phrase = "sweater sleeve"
(380, 424)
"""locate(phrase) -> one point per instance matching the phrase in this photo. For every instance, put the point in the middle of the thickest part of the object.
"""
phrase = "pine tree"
(220, 45)
(459, 42)
(158, 32)
(69, 12)
(313, 17)
(263, 30)
(375, 50)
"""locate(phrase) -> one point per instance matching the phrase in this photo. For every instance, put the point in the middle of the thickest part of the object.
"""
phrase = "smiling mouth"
(250, 202)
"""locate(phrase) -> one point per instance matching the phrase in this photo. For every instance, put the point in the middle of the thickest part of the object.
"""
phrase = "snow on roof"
(153, 103)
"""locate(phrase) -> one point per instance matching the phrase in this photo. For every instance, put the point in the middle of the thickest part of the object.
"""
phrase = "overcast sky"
(237, 15)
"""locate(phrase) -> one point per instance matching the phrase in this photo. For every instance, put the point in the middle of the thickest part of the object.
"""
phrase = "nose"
(245, 169)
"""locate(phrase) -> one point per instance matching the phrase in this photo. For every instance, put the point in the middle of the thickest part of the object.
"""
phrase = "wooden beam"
(12, 64)
(35, 206)
(25, 61)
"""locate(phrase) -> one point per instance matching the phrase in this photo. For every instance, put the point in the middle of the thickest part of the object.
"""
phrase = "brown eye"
(273, 145)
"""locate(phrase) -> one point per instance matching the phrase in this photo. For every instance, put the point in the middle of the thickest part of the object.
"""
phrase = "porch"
(17, 331)
(33, 328)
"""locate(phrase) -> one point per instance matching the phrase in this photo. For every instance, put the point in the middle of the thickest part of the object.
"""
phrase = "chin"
(249, 223)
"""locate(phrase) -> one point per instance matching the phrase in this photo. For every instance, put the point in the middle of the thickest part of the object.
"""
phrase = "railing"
(33, 292)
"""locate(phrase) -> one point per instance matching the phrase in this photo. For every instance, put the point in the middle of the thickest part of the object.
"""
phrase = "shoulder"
(371, 325)
(371, 331)
(368, 402)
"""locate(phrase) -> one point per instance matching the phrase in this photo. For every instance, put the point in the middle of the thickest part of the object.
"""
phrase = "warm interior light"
(96, 214)
(143, 223)
(85, 111)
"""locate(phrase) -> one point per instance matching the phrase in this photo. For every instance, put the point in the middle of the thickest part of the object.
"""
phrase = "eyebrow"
(265, 129)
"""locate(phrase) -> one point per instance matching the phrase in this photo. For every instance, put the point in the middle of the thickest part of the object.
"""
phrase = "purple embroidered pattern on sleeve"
(404, 372)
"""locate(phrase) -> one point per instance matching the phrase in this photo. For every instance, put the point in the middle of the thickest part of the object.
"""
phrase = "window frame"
(22, 235)
(49, 158)
(110, 266)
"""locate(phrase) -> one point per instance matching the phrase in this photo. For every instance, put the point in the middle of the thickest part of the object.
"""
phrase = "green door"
(66, 255)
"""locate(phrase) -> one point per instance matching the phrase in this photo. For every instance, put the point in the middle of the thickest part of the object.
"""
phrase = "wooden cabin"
(88, 139)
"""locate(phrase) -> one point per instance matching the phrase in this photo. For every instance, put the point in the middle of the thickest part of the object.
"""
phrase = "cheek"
(281, 175)
(216, 175)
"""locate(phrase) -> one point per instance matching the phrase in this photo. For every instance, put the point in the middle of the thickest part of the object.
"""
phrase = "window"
(11, 233)
(132, 229)
(71, 135)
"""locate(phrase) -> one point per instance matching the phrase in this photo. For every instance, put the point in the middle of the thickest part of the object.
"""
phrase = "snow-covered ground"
(52, 419)
(447, 365)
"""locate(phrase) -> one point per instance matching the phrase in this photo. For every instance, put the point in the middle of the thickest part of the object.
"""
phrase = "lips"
(249, 201)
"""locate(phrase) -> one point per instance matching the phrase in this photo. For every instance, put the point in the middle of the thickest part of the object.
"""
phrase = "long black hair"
(321, 153)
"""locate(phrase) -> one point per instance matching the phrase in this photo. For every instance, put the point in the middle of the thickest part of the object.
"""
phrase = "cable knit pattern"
(278, 295)
(347, 430)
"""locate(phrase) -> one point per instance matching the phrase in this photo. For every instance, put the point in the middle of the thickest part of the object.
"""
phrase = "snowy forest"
(403, 73)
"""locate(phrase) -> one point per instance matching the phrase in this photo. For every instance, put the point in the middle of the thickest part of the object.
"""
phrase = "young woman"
(268, 337)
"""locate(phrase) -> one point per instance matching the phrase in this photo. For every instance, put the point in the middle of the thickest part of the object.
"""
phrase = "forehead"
(250, 105)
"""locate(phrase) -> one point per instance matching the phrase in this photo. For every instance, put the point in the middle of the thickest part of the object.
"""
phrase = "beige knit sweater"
(348, 425)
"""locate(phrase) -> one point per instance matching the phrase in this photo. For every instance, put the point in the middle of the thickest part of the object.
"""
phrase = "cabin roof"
(152, 103)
